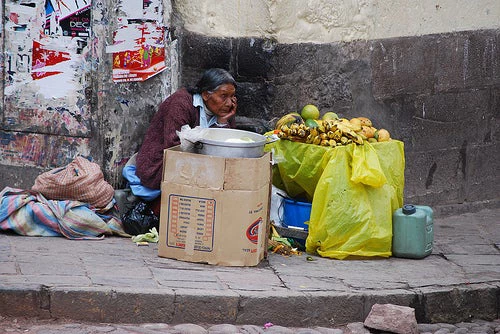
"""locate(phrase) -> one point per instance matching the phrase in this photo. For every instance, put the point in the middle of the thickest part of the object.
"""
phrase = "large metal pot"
(231, 143)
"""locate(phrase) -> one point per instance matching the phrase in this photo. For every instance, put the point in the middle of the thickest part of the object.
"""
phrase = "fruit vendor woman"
(211, 103)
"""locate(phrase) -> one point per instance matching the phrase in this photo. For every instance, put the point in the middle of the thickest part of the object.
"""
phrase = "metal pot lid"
(232, 138)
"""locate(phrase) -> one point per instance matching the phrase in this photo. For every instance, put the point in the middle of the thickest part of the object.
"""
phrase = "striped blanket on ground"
(29, 213)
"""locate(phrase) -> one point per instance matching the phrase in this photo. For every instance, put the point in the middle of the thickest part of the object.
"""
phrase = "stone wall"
(439, 94)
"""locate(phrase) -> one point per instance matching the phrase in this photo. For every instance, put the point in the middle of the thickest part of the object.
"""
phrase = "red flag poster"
(44, 61)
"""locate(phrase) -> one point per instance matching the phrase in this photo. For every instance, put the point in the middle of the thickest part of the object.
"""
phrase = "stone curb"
(445, 304)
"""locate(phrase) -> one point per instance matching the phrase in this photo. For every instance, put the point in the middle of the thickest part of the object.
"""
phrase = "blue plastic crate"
(295, 213)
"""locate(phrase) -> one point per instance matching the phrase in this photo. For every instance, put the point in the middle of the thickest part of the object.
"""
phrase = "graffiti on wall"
(41, 150)
(46, 59)
(138, 44)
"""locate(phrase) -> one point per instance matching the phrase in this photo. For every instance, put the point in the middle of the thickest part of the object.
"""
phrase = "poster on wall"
(67, 18)
(45, 79)
(140, 53)
(138, 44)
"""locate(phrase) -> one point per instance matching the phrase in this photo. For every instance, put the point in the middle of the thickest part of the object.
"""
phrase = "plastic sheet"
(354, 191)
(189, 136)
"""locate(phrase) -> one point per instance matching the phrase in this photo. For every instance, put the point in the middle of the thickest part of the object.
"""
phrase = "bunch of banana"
(333, 132)
(288, 120)
(294, 132)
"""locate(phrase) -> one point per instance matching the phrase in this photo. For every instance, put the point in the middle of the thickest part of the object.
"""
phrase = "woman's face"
(221, 101)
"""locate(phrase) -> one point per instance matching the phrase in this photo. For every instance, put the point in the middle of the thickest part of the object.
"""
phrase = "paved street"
(113, 281)
(16, 325)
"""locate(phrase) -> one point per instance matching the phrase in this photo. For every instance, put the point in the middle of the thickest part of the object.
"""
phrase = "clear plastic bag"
(190, 136)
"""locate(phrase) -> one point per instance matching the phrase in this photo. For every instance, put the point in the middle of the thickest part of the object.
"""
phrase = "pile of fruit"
(330, 130)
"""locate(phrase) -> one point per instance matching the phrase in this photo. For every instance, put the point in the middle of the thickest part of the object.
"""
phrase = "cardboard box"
(214, 210)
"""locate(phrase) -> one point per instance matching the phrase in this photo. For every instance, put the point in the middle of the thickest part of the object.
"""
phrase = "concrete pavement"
(114, 280)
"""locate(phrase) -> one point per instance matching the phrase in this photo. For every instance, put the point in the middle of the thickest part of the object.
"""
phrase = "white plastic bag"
(189, 137)
(277, 205)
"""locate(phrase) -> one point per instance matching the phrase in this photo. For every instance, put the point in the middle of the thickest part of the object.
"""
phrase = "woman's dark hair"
(211, 79)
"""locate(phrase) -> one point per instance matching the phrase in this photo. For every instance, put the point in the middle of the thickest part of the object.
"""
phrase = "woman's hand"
(224, 118)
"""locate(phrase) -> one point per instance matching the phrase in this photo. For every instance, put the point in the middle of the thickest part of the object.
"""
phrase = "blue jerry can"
(412, 231)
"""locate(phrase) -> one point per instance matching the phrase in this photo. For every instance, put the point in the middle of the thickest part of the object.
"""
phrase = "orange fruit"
(383, 135)
(365, 121)
(367, 131)
(355, 124)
